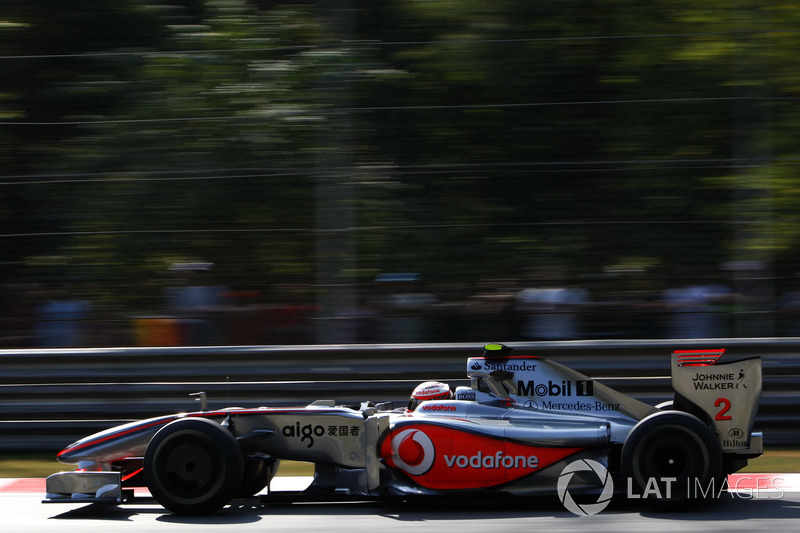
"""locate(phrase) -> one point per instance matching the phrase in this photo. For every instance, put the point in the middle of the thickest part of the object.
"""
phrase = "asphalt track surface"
(749, 510)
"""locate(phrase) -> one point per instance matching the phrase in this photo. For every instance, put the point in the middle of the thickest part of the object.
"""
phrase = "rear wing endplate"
(729, 393)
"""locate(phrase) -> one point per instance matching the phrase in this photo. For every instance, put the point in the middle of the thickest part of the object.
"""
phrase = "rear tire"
(193, 466)
(673, 445)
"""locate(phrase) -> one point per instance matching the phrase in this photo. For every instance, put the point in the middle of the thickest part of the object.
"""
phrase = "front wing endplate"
(84, 487)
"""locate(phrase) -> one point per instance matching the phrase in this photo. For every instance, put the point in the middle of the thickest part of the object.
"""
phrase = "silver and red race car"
(515, 430)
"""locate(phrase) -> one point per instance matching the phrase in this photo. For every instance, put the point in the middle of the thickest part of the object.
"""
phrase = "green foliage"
(471, 140)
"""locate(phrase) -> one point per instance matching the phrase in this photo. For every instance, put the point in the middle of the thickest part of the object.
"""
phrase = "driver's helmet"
(430, 390)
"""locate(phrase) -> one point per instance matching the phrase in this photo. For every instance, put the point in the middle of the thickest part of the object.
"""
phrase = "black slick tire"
(193, 466)
(672, 457)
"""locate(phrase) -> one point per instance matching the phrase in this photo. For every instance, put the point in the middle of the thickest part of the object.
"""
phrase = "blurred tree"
(463, 140)
(55, 74)
(569, 120)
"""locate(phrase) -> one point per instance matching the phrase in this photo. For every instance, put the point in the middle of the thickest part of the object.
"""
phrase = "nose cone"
(127, 440)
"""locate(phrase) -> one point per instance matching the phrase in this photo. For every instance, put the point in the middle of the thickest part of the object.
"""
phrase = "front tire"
(257, 474)
(193, 466)
(673, 457)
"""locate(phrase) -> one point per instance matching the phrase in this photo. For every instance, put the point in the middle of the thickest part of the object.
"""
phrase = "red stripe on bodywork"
(167, 419)
(698, 357)
(128, 476)
(111, 436)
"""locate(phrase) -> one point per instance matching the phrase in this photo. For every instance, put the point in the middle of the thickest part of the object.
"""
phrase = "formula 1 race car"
(515, 430)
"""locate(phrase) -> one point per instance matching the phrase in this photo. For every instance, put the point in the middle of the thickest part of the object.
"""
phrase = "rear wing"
(729, 393)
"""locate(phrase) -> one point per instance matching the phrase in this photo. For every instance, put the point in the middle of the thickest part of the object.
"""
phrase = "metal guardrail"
(52, 397)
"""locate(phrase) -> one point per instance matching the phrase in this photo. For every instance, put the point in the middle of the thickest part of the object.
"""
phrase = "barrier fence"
(51, 397)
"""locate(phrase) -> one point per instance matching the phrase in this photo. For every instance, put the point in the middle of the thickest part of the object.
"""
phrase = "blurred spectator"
(62, 321)
(694, 311)
(403, 306)
(194, 302)
(490, 313)
(358, 324)
(552, 313)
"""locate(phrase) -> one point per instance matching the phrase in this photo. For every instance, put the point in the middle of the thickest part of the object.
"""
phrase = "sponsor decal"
(734, 443)
(498, 460)
(573, 406)
(591, 468)
(508, 366)
(306, 433)
(432, 390)
(465, 395)
(736, 433)
(442, 457)
(438, 407)
(556, 388)
(412, 451)
(719, 380)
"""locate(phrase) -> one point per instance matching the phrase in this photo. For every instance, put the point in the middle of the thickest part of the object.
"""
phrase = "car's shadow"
(443, 509)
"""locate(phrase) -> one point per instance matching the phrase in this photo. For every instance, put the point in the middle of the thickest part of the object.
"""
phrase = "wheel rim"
(672, 454)
(189, 467)
(674, 457)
